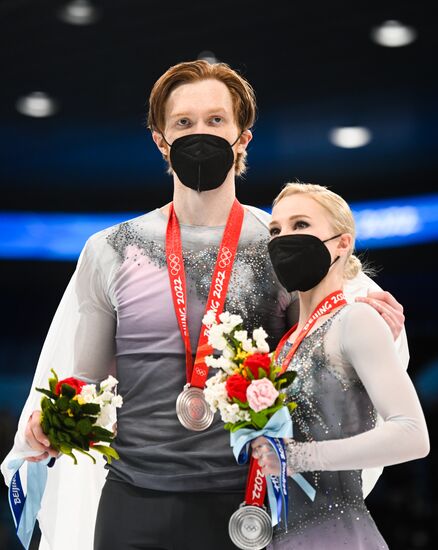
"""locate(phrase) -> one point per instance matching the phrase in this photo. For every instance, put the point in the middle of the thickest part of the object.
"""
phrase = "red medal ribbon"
(329, 303)
(197, 372)
(255, 485)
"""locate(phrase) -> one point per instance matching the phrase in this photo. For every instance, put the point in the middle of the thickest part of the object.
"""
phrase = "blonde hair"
(341, 217)
(242, 95)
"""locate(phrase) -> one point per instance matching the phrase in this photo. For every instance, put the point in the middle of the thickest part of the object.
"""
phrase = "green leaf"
(44, 423)
(275, 371)
(249, 373)
(84, 426)
(241, 405)
(56, 421)
(45, 403)
(68, 390)
(47, 392)
(287, 377)
(53, 381)
(107, 451)
(74, 406)
(69, 422)
(63, 403)
(262, 373)
(259, 419)
(271, 410)
(101, 432)
(292, 406)
(240, 425)
(77, 448)
(55, 376)
(90, 408)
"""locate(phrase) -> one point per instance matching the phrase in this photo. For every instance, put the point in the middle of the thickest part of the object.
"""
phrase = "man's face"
(203, 107)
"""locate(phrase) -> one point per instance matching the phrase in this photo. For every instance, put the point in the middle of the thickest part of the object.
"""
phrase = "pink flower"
(261, 394)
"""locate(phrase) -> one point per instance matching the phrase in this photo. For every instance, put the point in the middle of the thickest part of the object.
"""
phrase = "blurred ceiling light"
(209, 57)
(36, 104)
(79, 12)
(393, 34)
(350, 137)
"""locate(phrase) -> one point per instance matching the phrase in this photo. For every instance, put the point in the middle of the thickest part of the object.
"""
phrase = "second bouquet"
(248, 392)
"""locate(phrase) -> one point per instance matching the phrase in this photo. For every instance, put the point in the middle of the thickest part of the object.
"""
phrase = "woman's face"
(299, 214)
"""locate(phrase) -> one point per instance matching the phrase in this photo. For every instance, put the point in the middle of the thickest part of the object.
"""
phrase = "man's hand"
(389, 309)
(37, 439)
(267, 458)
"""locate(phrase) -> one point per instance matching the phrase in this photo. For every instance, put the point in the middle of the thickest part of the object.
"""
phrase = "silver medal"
(192, 410)
(250, 528)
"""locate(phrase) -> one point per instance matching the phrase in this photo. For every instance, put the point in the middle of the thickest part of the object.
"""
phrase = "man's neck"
(207, 208)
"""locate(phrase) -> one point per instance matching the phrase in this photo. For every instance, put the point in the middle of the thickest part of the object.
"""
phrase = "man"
(173, 488)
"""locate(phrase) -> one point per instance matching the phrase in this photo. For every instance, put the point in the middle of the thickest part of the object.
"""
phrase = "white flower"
(231, 412)
(209, 318)
(247, 346)
(241, 335)
(215, 337)
(88, 393)
(228, 353)
(215, 392)
(259, 334)
(117, 401)
(262, 346)
(211, 361)
(220, 363)
(226, 365)
(104, 398)
(109, 383)
(107, 416)
(230, 321)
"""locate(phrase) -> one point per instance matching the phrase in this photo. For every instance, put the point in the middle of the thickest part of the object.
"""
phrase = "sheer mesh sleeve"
(367, 345)
(94, 342)
(80, 340)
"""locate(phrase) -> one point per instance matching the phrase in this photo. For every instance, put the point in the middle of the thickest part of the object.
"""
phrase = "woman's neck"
(205, 208)
(310, 299)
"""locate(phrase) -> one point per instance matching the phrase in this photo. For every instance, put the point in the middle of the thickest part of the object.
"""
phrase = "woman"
(347, 374)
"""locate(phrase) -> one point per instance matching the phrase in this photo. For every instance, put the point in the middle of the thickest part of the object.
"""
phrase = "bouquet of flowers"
(248, 388)
(248, 391)
(76, 416)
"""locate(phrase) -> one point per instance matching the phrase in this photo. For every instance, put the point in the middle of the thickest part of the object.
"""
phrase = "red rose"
(236, 386)
(73, 382)
(257, 361)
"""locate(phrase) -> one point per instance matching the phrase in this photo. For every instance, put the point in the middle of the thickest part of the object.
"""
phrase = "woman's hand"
(388, 307)
(264, 453)
(37, 439)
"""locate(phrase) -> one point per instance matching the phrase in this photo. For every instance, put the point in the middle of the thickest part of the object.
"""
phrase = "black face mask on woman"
(201, 161)
(300, 261)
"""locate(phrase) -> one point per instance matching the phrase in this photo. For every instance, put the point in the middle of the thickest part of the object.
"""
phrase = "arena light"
(393, 34)
(36, 104)
(208, 56)
(350, 137)
(79, 12)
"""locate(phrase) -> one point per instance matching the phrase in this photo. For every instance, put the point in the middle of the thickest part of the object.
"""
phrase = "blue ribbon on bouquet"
(25, 507)
(278, 426)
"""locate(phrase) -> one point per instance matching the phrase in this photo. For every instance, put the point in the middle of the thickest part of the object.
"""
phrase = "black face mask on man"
(201, 161)
(300, 261)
